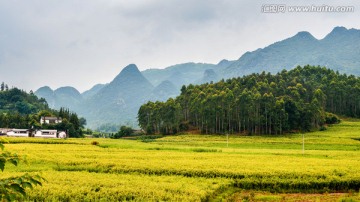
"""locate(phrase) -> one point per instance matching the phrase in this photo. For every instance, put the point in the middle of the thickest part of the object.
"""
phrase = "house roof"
(50, 118)
(4, 130)
(48, 130)
(15, 129)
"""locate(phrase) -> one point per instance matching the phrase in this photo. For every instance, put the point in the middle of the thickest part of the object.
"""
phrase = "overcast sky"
(81, 43)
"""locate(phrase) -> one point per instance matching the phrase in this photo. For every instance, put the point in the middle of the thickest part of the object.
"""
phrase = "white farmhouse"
(46, 133)
(18, 133)
(3, 131)
(50, 120)
(50, 134)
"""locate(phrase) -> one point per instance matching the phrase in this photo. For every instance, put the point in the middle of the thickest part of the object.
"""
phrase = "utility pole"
(303, 148)
(227, 139)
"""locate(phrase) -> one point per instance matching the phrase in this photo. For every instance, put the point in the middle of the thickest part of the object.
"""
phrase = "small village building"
(50, 134)
(18, 133)
(3, 131)
(50, 120)
(46, 133)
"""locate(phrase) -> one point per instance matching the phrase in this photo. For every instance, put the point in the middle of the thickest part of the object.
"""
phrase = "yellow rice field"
(195, 167)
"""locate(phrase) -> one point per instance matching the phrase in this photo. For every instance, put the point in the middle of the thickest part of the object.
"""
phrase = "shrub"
(96, 143)
(322, 128)
(205, 150)
(331, 118)
(184, 126)
(123, 132)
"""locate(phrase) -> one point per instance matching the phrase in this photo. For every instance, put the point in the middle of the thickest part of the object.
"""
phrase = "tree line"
(18, 101)
(4, 87)
(301, 99)
(19, 109)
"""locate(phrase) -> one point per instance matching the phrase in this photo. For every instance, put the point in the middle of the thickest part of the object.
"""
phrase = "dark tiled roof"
(50, 118)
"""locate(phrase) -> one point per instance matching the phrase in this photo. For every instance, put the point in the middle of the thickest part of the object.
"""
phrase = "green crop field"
(195, 167)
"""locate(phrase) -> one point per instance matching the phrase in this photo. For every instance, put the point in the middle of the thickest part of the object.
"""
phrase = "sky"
(81, 43)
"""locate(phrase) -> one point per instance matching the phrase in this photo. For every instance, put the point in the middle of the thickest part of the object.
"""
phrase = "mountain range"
(339, 50)
(118, 101)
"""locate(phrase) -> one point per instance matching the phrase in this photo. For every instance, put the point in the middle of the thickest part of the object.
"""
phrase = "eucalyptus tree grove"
(301, 99)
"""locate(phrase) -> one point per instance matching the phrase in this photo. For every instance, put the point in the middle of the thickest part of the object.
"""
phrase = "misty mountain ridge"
(208, 77)
(47, 93)
(339, 50)
(92, 91)
(118, 101)
(164, 91)
(68, 97)
(180, 74)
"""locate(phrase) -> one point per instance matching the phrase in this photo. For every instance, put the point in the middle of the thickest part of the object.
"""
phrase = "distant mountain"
(181, 74)
(339, 50)
(209, 76)
(48, 94)
(95, 89)
(224, 63)
(119, 101)
(67, 97)
(164, 91)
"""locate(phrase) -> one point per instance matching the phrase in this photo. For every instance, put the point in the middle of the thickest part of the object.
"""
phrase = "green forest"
(303, 99)
(19, 109)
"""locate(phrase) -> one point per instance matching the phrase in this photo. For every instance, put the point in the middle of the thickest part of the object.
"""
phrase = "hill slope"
(118, 101)
(164, 91)
(92, 91)
(67, 97)
(48, 94)
(181, 74)
(17, 101)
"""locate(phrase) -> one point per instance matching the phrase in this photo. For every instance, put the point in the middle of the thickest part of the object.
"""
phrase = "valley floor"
(196, 167)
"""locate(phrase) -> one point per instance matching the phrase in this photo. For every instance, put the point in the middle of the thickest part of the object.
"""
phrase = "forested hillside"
(19, 109)
(17, 101)
(296, 100)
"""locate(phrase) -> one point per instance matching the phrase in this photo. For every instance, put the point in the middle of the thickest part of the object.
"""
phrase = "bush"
(205, 150)
(96, 143)
(123, 132)
(184, 126)
(149, 138)
(322, 128)
(331, 118)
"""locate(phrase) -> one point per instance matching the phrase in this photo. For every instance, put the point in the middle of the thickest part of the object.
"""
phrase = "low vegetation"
(13, 188)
